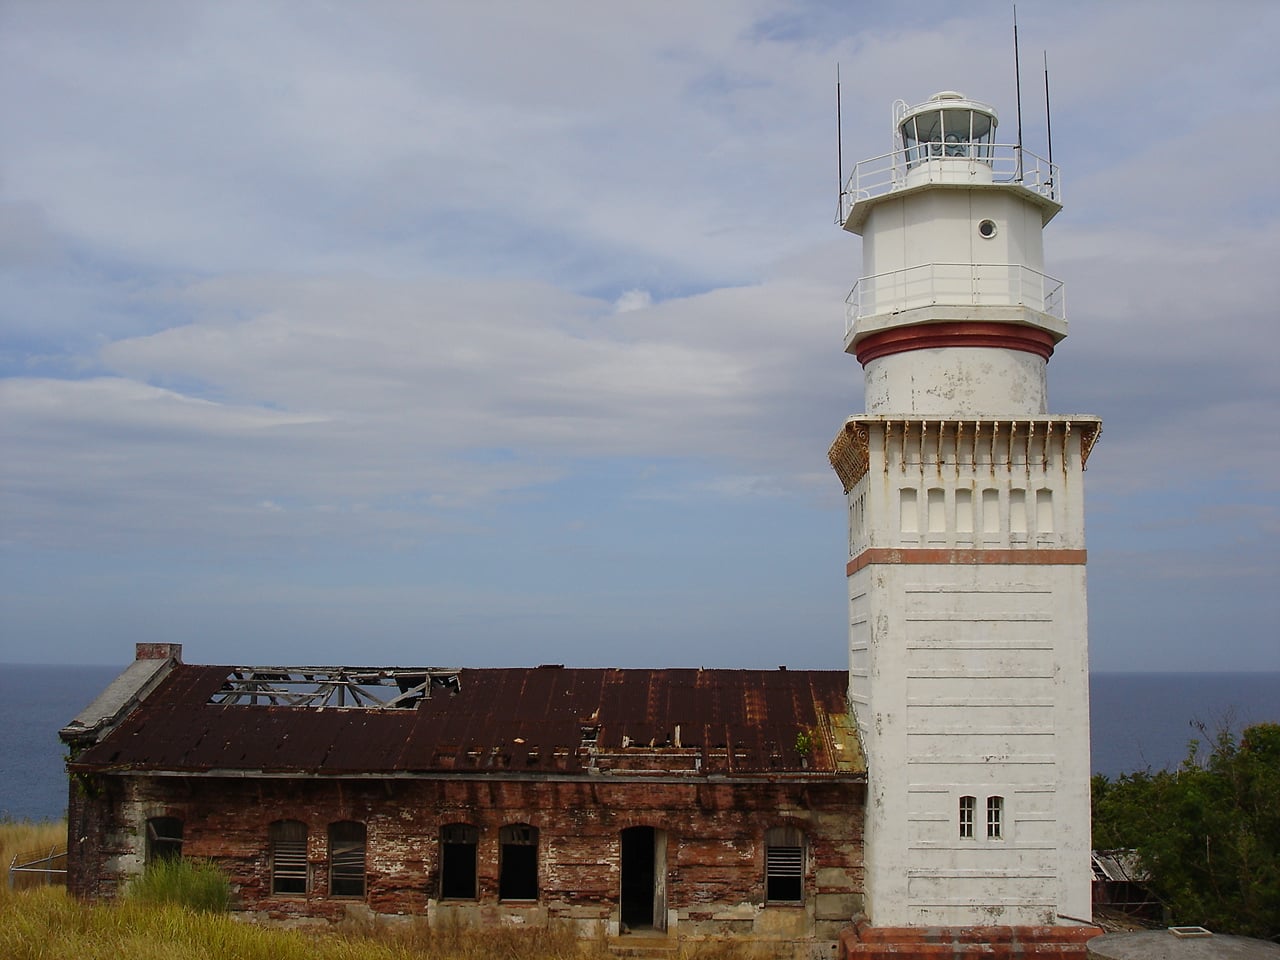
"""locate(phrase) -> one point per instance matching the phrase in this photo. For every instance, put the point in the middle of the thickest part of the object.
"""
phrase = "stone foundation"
(866, 942)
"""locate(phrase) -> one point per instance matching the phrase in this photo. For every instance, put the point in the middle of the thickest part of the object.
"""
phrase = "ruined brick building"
(692, 801)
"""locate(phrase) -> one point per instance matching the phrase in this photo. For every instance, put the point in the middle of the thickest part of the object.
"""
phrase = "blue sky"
(480, 334)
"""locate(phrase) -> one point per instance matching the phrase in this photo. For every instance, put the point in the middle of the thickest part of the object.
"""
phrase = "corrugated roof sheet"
(509, 720)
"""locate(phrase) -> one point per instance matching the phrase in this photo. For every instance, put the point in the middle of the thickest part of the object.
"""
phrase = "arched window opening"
(458, 845)
(164, 839)
(288, 857)
(995, 818)
(518, 862)
(784, 865)
(346, 858)
(967, 807)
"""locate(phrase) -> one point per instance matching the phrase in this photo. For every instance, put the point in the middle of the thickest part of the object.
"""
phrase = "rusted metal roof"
(544, 720)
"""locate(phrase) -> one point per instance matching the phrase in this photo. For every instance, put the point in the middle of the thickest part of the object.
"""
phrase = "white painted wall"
(975, 381)
(940, 225)
(972, 678)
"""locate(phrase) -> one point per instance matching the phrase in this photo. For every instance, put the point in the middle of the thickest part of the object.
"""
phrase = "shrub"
(194, 884)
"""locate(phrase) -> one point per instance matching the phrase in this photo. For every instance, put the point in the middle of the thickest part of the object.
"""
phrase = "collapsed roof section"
(504, 723)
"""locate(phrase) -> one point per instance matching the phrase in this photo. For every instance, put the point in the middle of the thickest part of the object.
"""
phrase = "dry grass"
(46, 923)
(25, 836)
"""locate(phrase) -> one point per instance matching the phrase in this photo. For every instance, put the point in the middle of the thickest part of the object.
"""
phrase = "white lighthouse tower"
(968, 659)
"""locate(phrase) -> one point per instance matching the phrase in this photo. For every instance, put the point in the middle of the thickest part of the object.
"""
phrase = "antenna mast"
(1017, 83)
(1048, 120)
(839, 153)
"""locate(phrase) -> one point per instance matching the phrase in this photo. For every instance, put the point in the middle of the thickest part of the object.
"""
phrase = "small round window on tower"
(987, 229)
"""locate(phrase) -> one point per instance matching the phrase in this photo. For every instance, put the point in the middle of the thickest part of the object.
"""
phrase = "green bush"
(194, 884)
(1207, 833)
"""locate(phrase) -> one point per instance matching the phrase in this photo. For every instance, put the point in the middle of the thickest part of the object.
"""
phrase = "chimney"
(159, 651)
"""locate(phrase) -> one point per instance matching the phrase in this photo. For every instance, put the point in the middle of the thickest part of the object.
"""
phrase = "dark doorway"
(638, 874)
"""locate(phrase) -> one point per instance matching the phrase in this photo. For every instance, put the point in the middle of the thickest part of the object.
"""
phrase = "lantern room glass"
(955, 132)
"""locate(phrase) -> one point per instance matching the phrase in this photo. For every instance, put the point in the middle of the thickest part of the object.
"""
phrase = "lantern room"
(948, 125)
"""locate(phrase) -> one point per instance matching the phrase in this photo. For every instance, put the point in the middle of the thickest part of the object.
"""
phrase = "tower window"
(967, 807)
(346, 859)
(458, 843)
(288, 857)
(995, 818)
(987, 229)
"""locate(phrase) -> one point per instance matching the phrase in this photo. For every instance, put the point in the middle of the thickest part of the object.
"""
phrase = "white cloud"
(382, 277)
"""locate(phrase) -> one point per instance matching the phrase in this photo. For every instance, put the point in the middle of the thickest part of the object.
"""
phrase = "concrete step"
(642, 947)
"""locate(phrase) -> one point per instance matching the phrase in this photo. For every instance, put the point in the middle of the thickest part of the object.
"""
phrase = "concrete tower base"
(866, 942)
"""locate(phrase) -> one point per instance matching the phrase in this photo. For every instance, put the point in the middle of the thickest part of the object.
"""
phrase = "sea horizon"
(1140, 721)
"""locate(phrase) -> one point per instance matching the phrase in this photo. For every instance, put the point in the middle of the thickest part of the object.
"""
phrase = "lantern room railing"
(963, 284)
(1007, 163)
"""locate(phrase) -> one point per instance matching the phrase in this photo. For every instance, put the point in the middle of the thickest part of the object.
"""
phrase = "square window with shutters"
(346, 859)
(288, 858)
(784, 865)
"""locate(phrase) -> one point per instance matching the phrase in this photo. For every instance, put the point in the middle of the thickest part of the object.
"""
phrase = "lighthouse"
(968, 647)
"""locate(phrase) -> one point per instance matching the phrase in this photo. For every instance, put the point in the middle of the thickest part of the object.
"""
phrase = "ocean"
(1141, 721)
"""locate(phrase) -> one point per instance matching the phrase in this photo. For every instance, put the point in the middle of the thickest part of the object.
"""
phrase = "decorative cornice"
(850, 453)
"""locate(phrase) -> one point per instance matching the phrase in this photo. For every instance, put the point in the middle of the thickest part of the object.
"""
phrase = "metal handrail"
(1009, 163)
(973, 284)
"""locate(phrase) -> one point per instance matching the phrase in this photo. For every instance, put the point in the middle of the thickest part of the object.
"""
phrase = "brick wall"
(714, 836)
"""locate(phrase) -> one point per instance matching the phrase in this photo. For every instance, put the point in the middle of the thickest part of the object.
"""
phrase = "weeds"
(195, 884)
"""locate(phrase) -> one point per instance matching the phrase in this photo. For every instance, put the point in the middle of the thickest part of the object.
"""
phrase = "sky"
(474, 334)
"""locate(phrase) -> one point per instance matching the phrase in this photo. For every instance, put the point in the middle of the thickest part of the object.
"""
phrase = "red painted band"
(1005, 336)
(916, 555)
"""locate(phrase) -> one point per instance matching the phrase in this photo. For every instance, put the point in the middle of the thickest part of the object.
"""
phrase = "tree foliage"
(1208, 833)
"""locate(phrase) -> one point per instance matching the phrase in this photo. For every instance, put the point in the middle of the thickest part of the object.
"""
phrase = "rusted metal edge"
(796, 776)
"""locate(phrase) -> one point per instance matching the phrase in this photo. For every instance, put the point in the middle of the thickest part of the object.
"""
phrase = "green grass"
(196, 884)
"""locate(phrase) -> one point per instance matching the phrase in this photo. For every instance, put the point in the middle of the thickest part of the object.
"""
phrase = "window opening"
(995, 818)
(458, 845)
(518, 867)
(288, 857)
(784, 865)
(967, 807)
(164, 839)
(346, 859)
